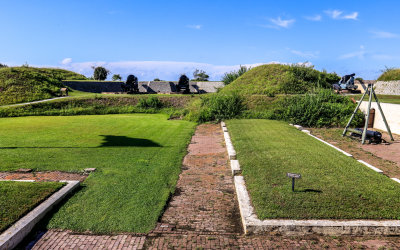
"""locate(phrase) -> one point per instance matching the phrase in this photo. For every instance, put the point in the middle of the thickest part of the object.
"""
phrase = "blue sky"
(166, 38)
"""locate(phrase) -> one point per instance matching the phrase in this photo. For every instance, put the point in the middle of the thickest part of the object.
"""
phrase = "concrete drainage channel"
(253, 225)
(17, 232)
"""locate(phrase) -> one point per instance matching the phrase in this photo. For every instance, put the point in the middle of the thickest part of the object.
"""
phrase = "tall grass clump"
(216, 107)
(150, 102)
(321, 108)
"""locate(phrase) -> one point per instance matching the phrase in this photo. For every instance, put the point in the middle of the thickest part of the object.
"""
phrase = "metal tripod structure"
(370, 91)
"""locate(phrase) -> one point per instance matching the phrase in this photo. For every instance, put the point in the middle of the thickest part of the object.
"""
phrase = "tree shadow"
(111, 141)
(123, 141)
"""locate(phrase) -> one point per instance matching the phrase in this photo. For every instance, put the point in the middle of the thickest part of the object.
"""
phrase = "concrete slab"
(16, 233)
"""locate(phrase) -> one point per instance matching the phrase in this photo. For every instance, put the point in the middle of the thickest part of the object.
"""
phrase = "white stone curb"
(396, 180)
(370, 166)
(16, 233)
(330, 145)
(228, 142)
(235, 166)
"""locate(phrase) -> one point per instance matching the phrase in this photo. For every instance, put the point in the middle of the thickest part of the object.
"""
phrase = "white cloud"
(383, 34)
(66, 61)
(360, 54)
(194, 26)
(338, 14)
(314, 18)
(305, 54)
(352, 16)
(148, 70)
(280, 23)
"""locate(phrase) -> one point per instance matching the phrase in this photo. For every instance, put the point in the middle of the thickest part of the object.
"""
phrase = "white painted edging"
(16, 233)
(253, 225)
(228, 142)
(370, 166)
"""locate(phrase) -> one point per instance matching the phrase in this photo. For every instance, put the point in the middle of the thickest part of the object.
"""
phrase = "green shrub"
(232, 76)
(321, 108)
(150, 102)
(216, 107)
(390, 74)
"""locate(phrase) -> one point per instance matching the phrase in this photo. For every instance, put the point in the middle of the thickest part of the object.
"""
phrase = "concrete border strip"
(370, 166)
(235, 167)
(16, 233)
(228, 142)
(396, 180)
(327, 143)
(253, 225)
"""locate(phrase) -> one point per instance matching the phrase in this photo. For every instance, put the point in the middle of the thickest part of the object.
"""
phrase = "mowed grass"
(138, 160)
(18, 198)
(333, 186)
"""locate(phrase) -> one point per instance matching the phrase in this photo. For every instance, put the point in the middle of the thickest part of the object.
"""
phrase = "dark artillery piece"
(131, 86)
(183, 84)
(345, 83)
(371, 136)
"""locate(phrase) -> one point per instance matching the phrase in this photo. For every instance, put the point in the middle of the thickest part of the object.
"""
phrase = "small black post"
(293, 184)
(293, 176)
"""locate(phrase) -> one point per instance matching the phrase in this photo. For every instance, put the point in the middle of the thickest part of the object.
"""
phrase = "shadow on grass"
(123, 141)
(308, 190)
(111, 141)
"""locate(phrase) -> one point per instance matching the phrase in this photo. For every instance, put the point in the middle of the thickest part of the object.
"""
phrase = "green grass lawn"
(138, 160)
(395, 99)
(333, 186)
(18, 198)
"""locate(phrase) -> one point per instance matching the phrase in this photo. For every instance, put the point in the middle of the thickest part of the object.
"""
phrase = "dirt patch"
(43, 176)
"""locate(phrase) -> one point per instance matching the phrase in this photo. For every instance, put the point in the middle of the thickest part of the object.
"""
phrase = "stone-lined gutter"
(17, 232)
(253, 225)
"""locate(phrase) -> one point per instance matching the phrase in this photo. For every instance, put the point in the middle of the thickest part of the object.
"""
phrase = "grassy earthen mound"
(272, 79)
(390, 75)
(24, 84)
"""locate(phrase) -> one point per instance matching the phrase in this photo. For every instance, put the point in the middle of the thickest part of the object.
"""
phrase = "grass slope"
(395, 99)
(24, 84)
(390, 75)
(333, 186)
(18, 198)
(272, 79)
(138, 160)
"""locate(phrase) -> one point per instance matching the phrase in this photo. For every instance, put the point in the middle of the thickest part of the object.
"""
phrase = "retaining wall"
(392, 114)
(387, 88)
(150, 87)
(95, 86)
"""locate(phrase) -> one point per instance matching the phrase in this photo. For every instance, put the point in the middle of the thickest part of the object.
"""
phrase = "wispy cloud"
(314, 18)
(194, 26)
(280, 23)
(305, 54)
(338, 14)
(383, 34)
(66, 61)
(360, 54)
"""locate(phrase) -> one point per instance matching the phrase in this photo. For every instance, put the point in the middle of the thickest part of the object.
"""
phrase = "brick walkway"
(203, 214)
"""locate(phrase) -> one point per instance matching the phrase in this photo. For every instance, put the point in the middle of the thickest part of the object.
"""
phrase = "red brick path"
(203, 214)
